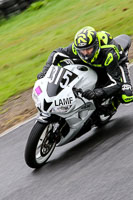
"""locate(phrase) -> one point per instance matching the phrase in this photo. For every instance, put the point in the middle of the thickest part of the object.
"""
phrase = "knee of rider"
(127, 89)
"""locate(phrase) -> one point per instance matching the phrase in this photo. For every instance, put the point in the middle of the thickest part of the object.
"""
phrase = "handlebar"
(78, 91)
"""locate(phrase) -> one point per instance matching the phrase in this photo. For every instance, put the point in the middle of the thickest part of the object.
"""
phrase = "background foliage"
(27, 39)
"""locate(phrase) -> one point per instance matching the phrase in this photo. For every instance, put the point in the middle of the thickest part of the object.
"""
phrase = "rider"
(99, 51)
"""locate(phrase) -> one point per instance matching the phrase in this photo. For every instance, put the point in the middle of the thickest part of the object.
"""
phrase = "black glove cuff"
(99, 93)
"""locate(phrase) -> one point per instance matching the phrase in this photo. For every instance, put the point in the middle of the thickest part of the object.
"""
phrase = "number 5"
(66, 76)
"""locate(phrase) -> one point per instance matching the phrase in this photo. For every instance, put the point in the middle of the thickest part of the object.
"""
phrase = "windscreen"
(59, 78)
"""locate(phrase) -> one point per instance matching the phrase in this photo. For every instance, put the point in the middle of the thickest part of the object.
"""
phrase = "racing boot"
(111, 107)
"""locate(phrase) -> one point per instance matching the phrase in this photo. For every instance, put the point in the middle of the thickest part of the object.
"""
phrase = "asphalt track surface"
(97, 166)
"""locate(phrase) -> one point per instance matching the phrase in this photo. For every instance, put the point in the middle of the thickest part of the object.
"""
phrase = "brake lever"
(76, 92)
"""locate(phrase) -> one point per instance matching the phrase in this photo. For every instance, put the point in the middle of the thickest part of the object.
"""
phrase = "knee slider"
(127, 95)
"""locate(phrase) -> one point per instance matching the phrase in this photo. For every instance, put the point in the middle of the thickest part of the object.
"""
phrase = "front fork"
(60, 126)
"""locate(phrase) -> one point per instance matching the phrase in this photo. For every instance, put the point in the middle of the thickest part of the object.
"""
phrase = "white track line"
(17, 126)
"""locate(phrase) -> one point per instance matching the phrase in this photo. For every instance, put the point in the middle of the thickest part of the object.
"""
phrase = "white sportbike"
(64, 114)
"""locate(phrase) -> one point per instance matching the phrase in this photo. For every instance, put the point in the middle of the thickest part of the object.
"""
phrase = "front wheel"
(40, 145)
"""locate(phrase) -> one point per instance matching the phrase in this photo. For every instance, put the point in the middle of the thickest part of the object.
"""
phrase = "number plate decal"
(61, 79)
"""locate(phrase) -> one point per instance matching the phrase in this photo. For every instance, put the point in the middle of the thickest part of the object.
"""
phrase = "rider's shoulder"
(104, 37)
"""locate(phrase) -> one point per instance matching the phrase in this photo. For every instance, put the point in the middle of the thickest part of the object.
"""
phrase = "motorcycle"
(64, 114)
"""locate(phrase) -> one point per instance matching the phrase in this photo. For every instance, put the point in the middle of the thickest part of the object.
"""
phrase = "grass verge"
(27, 39)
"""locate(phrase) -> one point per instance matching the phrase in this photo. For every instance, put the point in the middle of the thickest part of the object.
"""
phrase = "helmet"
(86, 40)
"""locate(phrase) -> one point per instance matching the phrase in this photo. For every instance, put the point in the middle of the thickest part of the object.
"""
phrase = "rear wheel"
(40, 144)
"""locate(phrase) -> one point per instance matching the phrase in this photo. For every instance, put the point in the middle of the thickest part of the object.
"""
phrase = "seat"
(124, 41)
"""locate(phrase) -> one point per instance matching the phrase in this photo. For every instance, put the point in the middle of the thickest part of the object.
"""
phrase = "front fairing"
(54, 94)
(54, 90)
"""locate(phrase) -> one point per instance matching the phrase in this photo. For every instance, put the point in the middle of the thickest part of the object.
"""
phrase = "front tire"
(39, 146)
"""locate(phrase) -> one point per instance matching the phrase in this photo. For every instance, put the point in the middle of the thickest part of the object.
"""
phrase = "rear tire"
(39, 146)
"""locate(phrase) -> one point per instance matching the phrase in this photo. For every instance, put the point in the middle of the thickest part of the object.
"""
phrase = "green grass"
(26, 40)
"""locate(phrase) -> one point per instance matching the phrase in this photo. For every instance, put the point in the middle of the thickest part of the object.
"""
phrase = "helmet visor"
(87, 53)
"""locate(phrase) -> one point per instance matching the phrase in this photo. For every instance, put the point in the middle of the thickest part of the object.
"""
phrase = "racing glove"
(96, 93)
(41, 75)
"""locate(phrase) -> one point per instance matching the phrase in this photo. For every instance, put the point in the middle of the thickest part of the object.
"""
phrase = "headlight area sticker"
(64, 101)
(38, 90)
